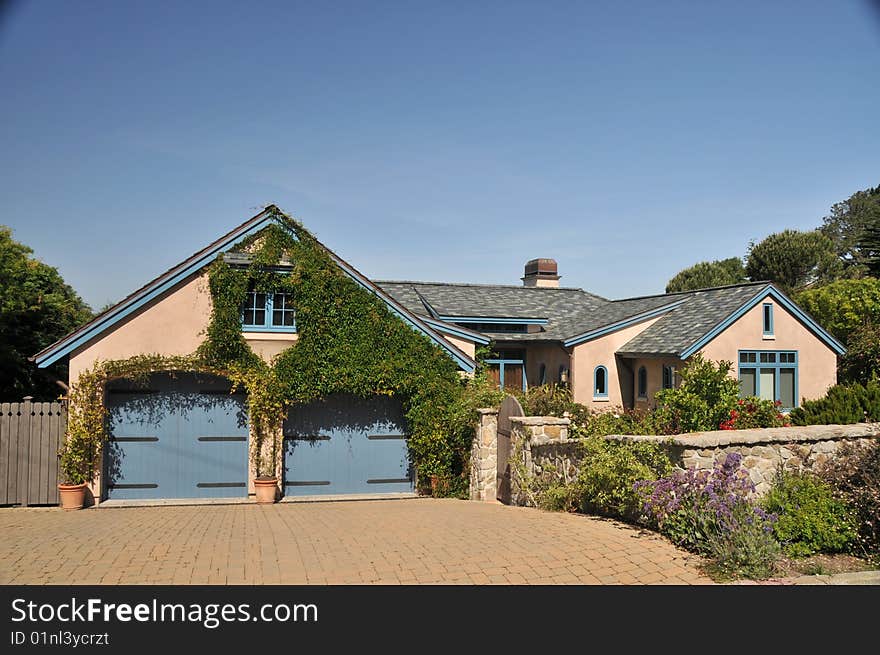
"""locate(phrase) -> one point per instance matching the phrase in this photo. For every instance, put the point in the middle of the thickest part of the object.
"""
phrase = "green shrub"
(558, 497)
(552, 400)
(755, 412)
(609, 471)
(843, 403)
(811, 519)
(615, 422)
(861, 361)
(854, 474)
(702, 401)
(747, 549)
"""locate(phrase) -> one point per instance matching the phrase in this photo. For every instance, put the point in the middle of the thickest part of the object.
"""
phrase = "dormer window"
(268, 312)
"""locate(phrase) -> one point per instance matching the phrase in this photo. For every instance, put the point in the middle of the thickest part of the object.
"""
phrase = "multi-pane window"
(771, 375)
(268, 311)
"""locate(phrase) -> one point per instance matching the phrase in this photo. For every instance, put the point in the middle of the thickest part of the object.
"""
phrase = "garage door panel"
(346, 445)
(177, 440)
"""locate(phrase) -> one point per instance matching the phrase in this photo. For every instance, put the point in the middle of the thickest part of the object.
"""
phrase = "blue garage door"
(181, 436)
(346, 445)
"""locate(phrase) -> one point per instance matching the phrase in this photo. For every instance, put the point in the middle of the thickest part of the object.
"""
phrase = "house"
(619, 353)
(185, 435)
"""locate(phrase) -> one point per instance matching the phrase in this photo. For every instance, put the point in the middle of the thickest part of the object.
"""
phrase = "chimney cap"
(542, 267)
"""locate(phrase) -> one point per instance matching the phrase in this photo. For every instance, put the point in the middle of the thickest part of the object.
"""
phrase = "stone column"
(484, 457)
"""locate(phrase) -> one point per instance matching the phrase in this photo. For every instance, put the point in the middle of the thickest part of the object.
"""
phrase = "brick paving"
(415, 541)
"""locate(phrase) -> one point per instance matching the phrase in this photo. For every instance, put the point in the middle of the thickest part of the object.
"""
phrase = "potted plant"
(264, 457)
(77, 467)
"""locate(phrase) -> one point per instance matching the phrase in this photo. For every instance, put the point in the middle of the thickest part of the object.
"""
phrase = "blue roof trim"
(502, 320)
(614, 327)
(182, 271)
(785, 302)
(469, 335)
(150, 292)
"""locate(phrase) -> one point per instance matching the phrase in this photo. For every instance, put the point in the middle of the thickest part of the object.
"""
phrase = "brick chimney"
(540, 273)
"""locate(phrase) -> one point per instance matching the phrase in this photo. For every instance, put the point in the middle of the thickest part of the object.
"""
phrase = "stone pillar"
(484, 457)
(525, 432)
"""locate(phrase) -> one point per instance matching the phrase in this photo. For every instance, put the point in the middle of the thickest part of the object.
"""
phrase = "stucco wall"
(654, 371)
(467, 347)
(552, 356)
(172, 325)
(587, 356)
(817, 363)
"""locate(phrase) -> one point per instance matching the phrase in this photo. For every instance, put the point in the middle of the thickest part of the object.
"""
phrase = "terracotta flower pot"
(73, 496)
(266, 490)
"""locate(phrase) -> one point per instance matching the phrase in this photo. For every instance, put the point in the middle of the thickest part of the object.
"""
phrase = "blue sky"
(433, 141)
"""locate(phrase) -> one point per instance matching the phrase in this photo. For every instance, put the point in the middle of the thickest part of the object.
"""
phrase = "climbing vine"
(348, 341)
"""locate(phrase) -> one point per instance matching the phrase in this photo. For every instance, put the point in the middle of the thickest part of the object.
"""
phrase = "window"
(768, 319)
(771, 375)
(507, 369)
(600, 382)
(643, 382)
(668, 377)
(268, 312)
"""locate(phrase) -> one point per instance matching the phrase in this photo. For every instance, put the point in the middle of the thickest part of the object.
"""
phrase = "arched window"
(668, 377)
(643, 382)
(600, 382)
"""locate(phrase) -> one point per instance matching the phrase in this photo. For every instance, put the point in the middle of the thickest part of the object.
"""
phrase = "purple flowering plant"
(694, 507)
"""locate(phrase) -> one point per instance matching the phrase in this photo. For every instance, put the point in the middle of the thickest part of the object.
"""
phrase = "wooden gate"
(510, 407)
(30, 435)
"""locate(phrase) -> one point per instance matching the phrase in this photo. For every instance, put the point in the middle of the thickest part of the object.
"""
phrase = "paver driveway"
(389, 541)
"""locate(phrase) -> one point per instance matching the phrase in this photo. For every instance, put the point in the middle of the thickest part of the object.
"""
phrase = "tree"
(850, 223)
(708, 274)
(36, 309)
(794, 260)
(843, 306)
(861, 361)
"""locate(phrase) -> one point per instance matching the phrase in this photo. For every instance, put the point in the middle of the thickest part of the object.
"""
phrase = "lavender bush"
(712, 512)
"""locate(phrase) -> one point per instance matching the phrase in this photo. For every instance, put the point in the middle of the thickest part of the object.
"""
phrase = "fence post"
(24, 449)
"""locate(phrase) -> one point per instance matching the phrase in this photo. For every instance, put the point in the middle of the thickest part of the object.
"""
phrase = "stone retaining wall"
(550, 456)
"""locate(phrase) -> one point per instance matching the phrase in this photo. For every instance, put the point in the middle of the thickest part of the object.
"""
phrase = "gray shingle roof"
(684, 325)
(573, 312)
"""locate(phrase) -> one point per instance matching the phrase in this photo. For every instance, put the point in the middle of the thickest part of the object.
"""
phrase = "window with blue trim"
(268, 312)
(769, 374)
(643, 382)
(768, 319)
(600, 382)
(508, 370)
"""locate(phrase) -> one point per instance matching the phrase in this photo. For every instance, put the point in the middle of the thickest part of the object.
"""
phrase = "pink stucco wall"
(587, 356)
(172, 325)
(654, 374)
(552, 356)
(817, 363)
(467, 347)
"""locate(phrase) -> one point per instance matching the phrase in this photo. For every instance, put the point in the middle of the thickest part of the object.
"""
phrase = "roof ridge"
(478, 284)
(692, 291)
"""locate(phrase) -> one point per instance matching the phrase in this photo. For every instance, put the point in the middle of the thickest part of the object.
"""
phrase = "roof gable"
(155, 288)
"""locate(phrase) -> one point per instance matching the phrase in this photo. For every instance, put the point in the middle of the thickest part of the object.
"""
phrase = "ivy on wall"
(348, 342)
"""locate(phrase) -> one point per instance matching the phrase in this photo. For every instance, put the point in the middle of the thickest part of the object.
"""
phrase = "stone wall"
(763, 450)
(540, 447)
(484, 453)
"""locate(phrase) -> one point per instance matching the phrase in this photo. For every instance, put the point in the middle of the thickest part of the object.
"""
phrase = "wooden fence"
(30, 435)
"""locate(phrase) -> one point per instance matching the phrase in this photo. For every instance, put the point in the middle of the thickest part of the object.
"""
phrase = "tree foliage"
(854, 227)
(843, 306)
(861, 361)
(794, 260)
(708, 274)
(36, 309)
